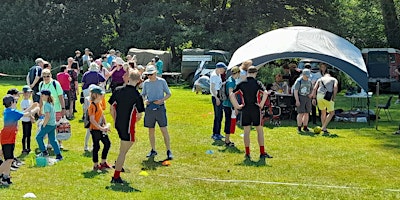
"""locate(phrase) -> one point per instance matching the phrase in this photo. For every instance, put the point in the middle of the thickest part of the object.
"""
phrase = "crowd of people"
(248, 97)
(138, 89)
(50, 99)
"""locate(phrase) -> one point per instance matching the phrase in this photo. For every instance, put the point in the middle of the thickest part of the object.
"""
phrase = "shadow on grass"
(231, 150)
(151, 164)
(124, 187)
(260, 163)
(307, 133)
(92, 174)
(87, 154)
(218, 143)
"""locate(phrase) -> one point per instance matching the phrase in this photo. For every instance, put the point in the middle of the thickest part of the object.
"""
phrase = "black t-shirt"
(126, 99)
(250, 88)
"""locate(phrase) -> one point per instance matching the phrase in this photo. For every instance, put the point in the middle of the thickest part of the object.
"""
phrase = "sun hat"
(93, 67)
(306, 72)
(220, 65)
(151, 69)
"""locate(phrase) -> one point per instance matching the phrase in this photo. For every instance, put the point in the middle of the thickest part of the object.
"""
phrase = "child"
(98, 128)
(49, 125)
(26, 121)
(8, 133)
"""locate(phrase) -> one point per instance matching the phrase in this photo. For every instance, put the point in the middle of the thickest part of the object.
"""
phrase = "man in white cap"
(215, 85)
(302, 95)
(156, 92)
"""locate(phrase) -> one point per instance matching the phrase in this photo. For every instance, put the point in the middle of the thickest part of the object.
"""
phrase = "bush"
(18, 69)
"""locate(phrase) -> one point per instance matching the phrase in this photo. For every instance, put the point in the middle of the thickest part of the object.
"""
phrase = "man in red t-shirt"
(65, 79)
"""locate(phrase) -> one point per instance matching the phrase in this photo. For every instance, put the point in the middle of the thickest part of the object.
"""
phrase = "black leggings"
(26, 135)
(98, 136)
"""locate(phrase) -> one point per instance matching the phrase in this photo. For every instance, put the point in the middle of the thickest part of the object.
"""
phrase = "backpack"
(222, 92)
(54, 85)
(86, 119)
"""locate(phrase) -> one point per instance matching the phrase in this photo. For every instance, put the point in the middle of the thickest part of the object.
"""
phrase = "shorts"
(251, 116)
(324, 104)
(158, 115)
(305, 104)
(130, 135)
(8, 151)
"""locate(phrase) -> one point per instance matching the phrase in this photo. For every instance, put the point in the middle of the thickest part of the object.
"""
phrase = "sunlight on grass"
(360, 163)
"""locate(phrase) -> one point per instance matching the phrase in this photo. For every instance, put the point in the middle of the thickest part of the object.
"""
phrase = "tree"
(391, 22)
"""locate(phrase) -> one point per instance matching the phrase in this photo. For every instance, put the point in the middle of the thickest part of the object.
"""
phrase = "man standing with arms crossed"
(251, 109)
(156, 92)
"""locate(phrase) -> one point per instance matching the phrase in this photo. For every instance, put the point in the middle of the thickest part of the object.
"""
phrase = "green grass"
(361, 163)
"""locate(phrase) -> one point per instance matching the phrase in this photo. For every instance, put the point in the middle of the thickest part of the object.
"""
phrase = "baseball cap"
(26, 88)
(13, 91)
(44, 92)
(97, 89)
(307, 65)
(151, 69)
(220, 65)
(306, 72)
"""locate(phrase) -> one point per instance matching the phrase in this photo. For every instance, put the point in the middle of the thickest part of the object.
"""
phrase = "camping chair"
(385, 107)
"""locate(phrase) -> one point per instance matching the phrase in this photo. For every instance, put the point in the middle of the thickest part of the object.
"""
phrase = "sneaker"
(306, 129)
(229, 144)
(152, 153)
(6, 181)
(220, 137)
(117, 180)
(59, 157)
(265, 155)
(96, 168)
(49, 146)
(105, 165)
(13, 168)
(169, 155)
(214, 137)
(14, 164)
(43, 154)
(61, 147)
(299, 131)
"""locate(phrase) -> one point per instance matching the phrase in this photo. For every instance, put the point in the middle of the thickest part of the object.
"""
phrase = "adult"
(65, 79)
(92, 76)
(279, 85)
(57, 95)
(243, 70)
(291, 73)
(251, 109)
(155, 92)
(126, 109)
(324, 85)
(159, 64)
(111, 56)
(313, 78)
(86, 60)
(117, 73)
(73, 71)
(215, 85)
(35, 77)
(78, 58)
(227, 105)
(303, 94)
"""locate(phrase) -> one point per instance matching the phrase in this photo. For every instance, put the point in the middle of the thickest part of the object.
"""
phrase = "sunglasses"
(149, 74)
(48, 76)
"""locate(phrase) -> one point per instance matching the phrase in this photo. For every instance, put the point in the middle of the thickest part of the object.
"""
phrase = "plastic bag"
(63, 129)
(39, 123)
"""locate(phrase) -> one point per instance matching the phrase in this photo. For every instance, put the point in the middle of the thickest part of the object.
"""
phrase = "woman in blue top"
(49, 125)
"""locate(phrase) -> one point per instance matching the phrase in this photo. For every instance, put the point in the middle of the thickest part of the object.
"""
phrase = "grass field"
(361, 163)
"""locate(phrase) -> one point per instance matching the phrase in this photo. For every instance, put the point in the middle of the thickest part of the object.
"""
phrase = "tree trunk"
(391, 22)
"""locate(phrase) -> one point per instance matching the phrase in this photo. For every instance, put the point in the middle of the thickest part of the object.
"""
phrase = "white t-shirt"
(216, 80)
(25, 103)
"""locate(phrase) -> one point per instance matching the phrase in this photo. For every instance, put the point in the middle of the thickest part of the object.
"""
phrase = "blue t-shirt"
(49, 108)
(230, 83)
(8, 133)
(154, 90)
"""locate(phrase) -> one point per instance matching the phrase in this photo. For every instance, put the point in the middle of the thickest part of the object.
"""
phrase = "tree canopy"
(54, 29)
